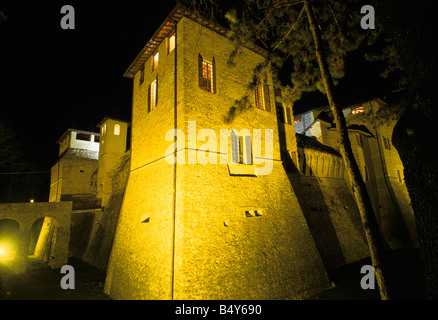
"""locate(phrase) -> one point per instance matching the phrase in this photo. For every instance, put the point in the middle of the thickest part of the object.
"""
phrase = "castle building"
(379, 162)
(207, 202)
(209, 211)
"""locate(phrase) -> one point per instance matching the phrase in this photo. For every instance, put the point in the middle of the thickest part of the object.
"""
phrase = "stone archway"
(53, 237)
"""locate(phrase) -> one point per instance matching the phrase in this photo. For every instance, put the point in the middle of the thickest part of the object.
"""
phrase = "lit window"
(153, 96)
(171, 45)
(206, 75)
(117, 129)
(357, 110)
(298, 119)
(155, 62)
(104, 129)
(259, 97)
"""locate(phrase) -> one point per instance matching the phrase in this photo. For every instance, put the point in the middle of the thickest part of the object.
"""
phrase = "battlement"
(81, 143)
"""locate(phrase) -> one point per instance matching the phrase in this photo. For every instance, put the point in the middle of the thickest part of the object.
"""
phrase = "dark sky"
(54, 79)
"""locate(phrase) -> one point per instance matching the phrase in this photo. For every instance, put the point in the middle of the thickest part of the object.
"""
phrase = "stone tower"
(222, 221)
(113, 137)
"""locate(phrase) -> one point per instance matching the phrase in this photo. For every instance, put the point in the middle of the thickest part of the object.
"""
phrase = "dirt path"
(41, 283)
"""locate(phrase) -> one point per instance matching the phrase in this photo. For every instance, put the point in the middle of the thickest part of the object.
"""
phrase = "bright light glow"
(6, 251)
(32, 200)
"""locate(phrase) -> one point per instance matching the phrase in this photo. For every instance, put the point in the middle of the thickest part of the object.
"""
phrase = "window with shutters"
(207, 75)
(262, 98)
(241, 149)
(153, 95)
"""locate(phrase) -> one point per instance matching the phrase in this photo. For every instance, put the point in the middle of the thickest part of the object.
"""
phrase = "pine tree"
(318, 46)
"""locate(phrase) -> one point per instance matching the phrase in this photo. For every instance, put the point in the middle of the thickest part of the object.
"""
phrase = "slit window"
(155, 61)
(171, 43)
(153, 95)
(141, 76)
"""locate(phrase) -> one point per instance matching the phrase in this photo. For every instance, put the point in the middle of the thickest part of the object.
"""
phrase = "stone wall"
(26, 214)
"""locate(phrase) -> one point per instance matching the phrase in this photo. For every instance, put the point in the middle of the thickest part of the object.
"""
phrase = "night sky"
(54, 79)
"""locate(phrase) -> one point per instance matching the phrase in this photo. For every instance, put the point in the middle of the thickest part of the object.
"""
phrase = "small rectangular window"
(155, 61)
(141, 76)
(82, 168)
(171, 43)
(83, 136)
(117, 129)
(96, 138)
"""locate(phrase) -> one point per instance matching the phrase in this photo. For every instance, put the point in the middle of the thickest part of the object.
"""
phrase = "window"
(83, 136)
(262, 98)
(117, 129)
(155, 61)
(82, 168)
(240, 149)
(386, 143)
(259, 97)
(298, 119)
(141, 76)
(357, 110)
(104, 129)
(207, 72)
(280, 113)
(399, 176)
(96, 138)
(153, 95)
(359, 140)
(171, 43)
(288, 116)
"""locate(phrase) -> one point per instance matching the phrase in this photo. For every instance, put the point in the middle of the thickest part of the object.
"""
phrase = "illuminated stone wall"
(205, 245)
(73, 175)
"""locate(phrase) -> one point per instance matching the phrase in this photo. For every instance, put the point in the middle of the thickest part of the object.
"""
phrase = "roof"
(304, 141)
(167, 28)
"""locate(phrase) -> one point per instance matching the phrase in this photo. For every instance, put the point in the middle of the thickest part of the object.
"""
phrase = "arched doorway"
(43, 239)
(9, 238)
